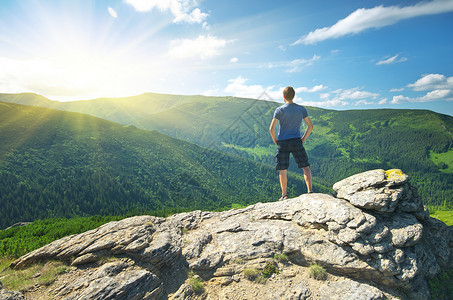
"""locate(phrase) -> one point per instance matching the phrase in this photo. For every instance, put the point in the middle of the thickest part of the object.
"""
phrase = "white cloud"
(238, 87)
(327, 103)
(367, 102)
(295, 65)
(396, 90)
(316, 88)
(196, 16)
(234, 60)
(445, 95)
(432, 82)
(182, 10)
(205, 46)
(438, 87)
(112, 12)
(354, 94)
(343, 97)
(391, 60)
(376, 17)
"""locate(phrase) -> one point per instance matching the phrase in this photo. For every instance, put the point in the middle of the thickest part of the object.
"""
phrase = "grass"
(443, 160)
(317, 272)
(441, 287)
(41, 273)
(5, 262)
(281, 257)
(445, 216)
(257, 151)
(254, 274)
(195, 283)
(251, 273)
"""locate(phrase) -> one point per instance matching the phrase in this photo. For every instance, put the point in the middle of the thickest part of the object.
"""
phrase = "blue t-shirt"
(290, 116)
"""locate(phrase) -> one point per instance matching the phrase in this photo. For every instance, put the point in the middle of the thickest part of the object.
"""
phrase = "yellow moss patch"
(394, 174)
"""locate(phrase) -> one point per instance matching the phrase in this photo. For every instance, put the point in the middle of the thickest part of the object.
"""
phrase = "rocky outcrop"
(374, 236)
(10, 295)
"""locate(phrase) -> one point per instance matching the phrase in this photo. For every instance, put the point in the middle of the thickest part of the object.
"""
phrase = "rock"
(359, 182)
(84, 259)
(375, 229)
(11, 295)
(116, 280)
(183, 293)
(348, 289)
(299, 291)
(379, 190)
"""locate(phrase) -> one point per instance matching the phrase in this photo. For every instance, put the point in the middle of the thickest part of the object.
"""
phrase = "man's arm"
(307, 121)
(272, 130)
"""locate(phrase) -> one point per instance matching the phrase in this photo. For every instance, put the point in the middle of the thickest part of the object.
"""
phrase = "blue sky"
(359, 54)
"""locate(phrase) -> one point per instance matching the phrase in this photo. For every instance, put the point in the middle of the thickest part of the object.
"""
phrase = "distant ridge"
(342, 143)
(64, 164)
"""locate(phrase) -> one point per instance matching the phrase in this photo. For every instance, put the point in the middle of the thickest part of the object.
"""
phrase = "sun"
(77, 53)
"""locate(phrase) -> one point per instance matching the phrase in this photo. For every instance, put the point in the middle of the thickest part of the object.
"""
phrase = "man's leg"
(307, 177)
(283, 181)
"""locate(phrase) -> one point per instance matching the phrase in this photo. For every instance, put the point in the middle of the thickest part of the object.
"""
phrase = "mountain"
(373, 240)
(63, 164)
(343, 142)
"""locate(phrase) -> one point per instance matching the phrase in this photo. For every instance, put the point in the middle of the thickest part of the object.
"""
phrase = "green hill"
(342, 143)
(64, 164)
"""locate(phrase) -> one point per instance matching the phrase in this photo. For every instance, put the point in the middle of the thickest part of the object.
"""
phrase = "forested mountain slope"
(64, 164)
(342, 143)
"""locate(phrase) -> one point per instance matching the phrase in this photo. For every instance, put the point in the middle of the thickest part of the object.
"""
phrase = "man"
(290, 139)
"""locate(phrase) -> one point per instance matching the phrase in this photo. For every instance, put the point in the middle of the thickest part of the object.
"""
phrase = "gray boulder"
(375, 230)
(11, 295)
(116, 280)
(348, 289)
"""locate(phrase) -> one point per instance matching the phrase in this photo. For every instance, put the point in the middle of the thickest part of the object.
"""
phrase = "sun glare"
(79, 57)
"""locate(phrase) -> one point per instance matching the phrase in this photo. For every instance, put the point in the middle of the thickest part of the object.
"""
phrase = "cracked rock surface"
(375, 237)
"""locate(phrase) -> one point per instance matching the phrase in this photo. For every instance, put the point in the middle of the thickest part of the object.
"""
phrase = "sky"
(352, 54)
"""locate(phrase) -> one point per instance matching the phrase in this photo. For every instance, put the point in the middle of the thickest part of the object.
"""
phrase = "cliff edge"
(374, 238)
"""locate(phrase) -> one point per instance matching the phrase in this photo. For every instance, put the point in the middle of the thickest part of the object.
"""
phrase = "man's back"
(290, 116)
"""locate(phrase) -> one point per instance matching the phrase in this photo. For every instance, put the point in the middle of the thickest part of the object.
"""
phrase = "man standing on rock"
(290, 139)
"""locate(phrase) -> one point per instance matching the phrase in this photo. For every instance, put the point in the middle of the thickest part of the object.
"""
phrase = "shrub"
(196, 285)
(283, 258)
(317, 272)
(195, 282)
(269, 269)
(251, 273)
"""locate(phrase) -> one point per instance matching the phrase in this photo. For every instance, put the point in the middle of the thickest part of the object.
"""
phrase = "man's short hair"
(289, 93)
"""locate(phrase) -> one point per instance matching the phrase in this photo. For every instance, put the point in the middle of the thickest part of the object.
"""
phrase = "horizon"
(270, 100)
(353, 56)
